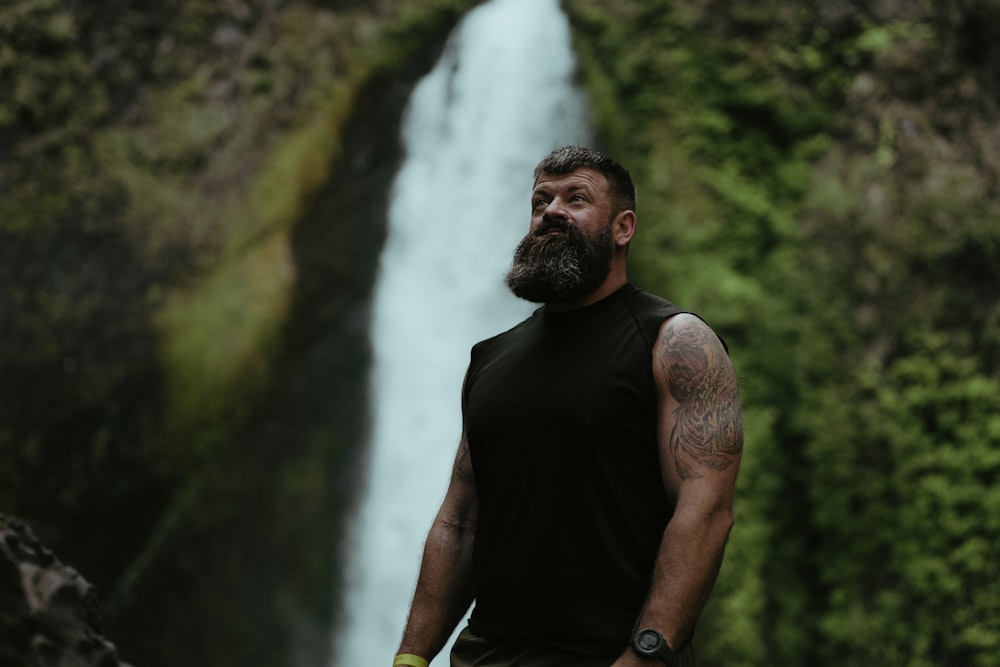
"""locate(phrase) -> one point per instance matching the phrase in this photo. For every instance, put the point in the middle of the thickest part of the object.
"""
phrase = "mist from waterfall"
(499, 99)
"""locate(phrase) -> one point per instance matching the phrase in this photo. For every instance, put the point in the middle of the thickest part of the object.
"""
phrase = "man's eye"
(539, 203)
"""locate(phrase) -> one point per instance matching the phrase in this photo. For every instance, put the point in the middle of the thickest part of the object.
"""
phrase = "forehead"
(585, 178)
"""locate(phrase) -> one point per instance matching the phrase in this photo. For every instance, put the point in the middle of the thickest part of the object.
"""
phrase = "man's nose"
(555, 210)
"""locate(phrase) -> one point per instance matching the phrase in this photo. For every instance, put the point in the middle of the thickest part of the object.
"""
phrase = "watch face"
(648, 642)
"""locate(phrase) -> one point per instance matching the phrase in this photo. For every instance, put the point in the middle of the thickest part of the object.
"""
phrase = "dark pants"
(474, 651)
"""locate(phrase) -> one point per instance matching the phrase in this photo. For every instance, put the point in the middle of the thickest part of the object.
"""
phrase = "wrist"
(409, 660)
(650, 645)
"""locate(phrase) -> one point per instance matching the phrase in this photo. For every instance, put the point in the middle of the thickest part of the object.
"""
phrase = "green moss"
(220, 331)
(180, 353)
(220, 338)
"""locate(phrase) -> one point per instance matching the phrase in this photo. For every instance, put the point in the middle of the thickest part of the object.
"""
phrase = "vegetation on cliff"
(820, 180)
(188, 227)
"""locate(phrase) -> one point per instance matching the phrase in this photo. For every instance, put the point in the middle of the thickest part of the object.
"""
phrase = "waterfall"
(498, 100)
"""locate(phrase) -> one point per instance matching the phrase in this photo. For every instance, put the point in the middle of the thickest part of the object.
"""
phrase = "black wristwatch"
(650, 643)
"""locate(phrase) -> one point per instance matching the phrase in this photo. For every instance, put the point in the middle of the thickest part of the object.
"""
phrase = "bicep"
(700, 417)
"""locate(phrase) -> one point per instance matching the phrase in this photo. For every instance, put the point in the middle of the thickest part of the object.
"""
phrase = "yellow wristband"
(409, 659)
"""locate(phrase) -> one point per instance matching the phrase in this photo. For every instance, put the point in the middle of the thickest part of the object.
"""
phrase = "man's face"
(568, 249)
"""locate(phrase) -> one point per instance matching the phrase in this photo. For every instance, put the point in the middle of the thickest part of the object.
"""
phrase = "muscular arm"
(701, 443)
(444, 587)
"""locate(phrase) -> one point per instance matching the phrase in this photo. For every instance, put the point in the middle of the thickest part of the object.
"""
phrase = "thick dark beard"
(550, 269)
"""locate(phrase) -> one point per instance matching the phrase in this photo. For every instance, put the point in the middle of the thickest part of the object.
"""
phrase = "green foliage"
(908, 481)
(818, 182)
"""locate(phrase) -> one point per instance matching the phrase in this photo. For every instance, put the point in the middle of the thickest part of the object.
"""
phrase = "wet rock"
(49, 614)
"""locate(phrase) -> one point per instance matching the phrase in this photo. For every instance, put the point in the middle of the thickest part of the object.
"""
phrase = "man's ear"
(623, 227)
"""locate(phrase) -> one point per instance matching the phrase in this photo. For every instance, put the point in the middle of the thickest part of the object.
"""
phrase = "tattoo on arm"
(708, 424)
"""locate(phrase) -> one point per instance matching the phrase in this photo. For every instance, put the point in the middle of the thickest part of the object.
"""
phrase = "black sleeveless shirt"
(560, 414)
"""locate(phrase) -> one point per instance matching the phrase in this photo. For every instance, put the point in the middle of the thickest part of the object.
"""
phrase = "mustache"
(550, 225)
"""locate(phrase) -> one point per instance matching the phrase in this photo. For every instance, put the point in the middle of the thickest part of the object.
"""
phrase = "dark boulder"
(49, 614)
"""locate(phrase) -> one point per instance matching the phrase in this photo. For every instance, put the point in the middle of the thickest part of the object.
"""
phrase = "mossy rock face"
(185, 271)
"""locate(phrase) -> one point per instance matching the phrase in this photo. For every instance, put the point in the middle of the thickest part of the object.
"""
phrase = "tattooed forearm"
(708, 425)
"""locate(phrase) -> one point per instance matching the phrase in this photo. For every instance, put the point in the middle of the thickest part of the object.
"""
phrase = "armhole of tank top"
(660, 312)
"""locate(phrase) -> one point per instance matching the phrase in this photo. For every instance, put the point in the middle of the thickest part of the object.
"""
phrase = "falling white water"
(499, 99)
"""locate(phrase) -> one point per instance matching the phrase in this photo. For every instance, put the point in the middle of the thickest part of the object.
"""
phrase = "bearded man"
(591, 497)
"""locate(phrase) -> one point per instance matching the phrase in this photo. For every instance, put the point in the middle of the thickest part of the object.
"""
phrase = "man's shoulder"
(688, 326)
(654, 310)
